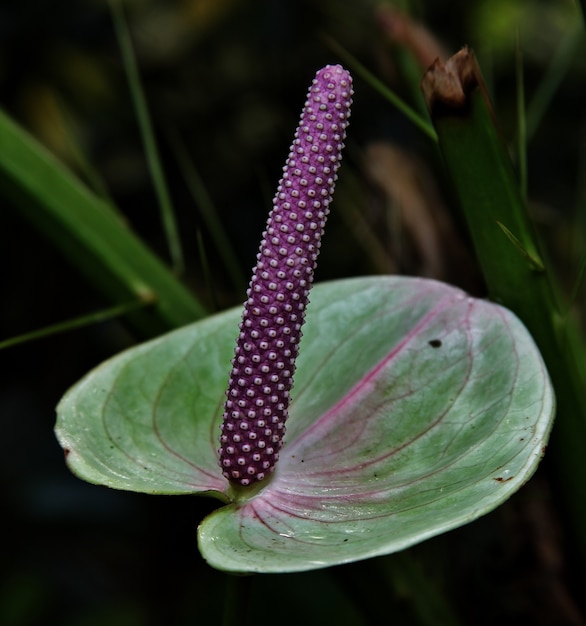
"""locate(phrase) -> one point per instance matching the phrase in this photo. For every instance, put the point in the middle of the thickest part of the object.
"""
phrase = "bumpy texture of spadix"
(264, 362)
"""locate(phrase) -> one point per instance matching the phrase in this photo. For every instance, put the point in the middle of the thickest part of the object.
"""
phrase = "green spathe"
(415, 410)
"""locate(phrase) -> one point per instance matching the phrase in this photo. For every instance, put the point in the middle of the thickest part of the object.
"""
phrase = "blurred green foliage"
(228, 77)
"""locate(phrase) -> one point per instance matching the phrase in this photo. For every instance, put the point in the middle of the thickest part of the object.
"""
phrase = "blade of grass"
(577, 239)
(521, 121)
(148, 136)
(485, 184)
(557, 69)
(534, 263)
(90, 233)
(204, 203)
(577, 283)
(207, 275)
(62, 121)
(379, 86)
(349, 204)
(78, 322)
(577, 230)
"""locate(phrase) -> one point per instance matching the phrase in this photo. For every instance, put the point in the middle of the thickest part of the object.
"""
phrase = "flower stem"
(236, 600)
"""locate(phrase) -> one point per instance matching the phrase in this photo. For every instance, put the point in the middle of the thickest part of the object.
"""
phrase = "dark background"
(230, 76)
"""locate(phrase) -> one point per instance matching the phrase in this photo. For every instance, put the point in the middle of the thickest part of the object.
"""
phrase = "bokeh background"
(228, 78)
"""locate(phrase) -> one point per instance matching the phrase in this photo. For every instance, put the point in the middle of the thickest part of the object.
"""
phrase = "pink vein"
(331, 414)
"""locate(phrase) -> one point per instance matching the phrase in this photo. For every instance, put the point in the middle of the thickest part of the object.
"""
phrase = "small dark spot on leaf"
(435, 343)
(522, 439)
(346, 539)
(500, 479)
(543, 449)
(66, 452)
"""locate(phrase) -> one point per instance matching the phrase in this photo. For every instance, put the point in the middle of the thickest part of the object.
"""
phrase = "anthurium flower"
(415, 408)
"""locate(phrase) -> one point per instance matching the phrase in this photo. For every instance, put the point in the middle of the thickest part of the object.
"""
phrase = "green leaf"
(90, 233)
(415, 409)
